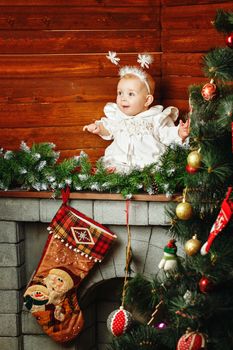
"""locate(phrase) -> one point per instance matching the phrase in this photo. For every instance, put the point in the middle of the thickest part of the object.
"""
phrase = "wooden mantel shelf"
(87, 195)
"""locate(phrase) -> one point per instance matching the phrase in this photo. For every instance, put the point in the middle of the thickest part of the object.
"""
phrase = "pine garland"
(38, 168)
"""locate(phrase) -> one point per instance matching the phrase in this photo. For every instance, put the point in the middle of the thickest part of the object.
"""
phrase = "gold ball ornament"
(184, 211)
(192, 246)
(194, 159)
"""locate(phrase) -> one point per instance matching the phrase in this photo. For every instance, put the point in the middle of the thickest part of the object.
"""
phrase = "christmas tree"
(189, 304)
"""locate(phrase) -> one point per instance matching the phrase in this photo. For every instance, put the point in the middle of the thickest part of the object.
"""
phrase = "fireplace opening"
(97, 304)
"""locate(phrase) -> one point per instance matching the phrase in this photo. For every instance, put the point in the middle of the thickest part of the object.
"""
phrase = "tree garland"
(39, 168)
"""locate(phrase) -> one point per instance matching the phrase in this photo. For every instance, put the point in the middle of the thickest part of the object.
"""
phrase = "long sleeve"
(164, 127)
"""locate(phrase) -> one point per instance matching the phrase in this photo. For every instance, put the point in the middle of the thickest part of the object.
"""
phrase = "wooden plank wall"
(54, 74)
(187, 34)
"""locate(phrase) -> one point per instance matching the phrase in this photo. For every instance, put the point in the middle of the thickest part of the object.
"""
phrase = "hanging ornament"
(194, 159)
(184, 211)
(119, 321)
(189, 298)
(192, 246)
(190, 169)
(191, 340)
(229, 40)
(169, 259)
(154, 315)
(205, 284)
(209, 90)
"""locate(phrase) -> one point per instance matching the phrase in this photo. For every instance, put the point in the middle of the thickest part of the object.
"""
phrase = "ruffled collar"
(112, 111)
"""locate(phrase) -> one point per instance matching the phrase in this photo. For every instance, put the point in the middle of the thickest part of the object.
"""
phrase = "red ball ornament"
(209, 91)
(205, 284)
(190, 169)
(194, 159)
(119, 321)
(191, 341)
(229, 40)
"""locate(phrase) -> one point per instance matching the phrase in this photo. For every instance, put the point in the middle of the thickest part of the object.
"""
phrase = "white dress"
(138, 140)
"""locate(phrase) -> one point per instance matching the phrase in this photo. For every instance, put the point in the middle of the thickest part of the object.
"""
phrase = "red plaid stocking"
(74, 245)
(221, 221)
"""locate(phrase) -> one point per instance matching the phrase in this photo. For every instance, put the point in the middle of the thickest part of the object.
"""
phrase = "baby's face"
(131, 96)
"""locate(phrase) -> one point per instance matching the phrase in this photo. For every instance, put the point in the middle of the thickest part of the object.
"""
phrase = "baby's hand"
(184, 129)
(93, 128)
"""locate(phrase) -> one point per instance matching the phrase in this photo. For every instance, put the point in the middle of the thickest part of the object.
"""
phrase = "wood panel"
(191, 40)
(81, 3)
(67, 42)
(59, 90)
(49, 114)
(187, 28)
(196, 2)
(196, 17)
(71, 18)
(74, 65)
(75, 138)
(182, 64)
(176, 87)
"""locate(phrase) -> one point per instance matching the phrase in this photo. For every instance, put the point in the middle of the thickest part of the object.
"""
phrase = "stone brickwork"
(23, 234)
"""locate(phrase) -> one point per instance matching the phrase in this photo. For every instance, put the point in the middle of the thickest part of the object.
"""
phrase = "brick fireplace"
(23, 232)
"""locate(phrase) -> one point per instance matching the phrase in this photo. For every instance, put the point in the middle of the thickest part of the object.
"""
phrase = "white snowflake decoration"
(112, 56)
(36, 156)
(8, 155)
(68, 181)
(41, 165)
(51, 178)
(22, 171)
(144, 60)
(24, 147)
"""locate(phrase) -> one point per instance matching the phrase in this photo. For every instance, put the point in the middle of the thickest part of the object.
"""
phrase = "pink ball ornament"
(119, 321)
(161, 325)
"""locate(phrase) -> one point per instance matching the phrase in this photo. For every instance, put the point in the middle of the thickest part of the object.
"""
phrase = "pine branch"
(219, 63)
(224, 21)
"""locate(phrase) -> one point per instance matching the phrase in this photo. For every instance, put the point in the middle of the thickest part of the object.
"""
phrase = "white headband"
(144, 61)
(135, 71)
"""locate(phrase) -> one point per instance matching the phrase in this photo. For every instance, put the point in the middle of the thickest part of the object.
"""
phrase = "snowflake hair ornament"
(143, 59)
(112, 56)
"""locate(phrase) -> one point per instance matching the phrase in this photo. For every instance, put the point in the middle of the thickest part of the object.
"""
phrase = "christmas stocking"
(74, 245)
(221, 221)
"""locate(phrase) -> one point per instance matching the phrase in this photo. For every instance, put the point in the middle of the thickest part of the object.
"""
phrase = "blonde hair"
(148, 80)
